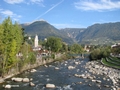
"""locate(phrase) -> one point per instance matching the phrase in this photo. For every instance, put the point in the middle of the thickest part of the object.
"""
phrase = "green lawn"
(113, 61)
(107, 63)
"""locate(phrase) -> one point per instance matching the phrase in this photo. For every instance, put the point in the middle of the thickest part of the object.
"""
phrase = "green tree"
(11, 40)
(100, 52)
(76, 48)
(64, 47)
(54, 43)
(95, 54)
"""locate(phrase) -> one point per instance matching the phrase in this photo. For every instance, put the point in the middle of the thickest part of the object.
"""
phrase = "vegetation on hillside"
(44, 30)
(106, 33)
(101, 34)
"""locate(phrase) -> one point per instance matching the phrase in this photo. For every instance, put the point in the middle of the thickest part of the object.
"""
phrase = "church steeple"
(36, 41)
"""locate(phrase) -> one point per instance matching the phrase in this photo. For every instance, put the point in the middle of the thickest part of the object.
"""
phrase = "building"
(36, 46)
(86, 48)
(36, 41)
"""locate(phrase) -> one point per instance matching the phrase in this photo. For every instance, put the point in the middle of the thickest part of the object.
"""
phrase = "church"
(36, 46)
(39, 48)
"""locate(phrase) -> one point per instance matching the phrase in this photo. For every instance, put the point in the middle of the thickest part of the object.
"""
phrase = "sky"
(61, 13)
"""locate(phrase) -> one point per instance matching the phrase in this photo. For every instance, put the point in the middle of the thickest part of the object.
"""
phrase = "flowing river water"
(57, 73)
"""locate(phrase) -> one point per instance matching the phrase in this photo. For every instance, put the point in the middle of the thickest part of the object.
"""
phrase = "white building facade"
(36, 41)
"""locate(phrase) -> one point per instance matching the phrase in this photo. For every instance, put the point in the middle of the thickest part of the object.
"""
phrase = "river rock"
(96, 66)
(32, 84)
(50, 86)
(106, 86)
(98, 81)
(93, 80)
(56, 68)
(17, 79)
(70, 67)
(26, 80)
(7, 86)
(31, 79)
(33, 70)
(45, 65)
(76, 63)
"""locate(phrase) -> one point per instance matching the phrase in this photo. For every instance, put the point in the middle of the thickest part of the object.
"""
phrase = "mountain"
(106, 33)
(73, 32)
(100, 33)
(43, 29)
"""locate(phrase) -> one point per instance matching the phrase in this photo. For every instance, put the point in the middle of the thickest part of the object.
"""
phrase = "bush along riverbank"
(39, 61)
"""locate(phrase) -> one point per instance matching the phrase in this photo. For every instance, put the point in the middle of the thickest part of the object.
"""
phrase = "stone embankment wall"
(39, 61)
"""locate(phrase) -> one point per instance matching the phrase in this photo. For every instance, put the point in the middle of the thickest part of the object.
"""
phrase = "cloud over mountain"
(13, 1)
(97, 5)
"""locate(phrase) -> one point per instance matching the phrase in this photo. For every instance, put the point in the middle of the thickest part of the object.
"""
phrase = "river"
(57, 73)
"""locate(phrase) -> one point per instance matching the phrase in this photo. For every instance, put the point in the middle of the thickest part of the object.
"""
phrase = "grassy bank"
(111, 62)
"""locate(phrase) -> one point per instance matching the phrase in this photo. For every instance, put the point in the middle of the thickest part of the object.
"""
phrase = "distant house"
(116, 45)
(86, 48)
(37, 48)
(44, 52)
(116, 49)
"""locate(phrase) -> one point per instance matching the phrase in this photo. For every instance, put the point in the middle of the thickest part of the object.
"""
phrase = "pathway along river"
(57, 73)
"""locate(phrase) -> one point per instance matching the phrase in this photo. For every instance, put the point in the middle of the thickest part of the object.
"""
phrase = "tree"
(76, 48)
(11, 40)
(64, 47)
(95, 54)
(54, 43)
(99, 53)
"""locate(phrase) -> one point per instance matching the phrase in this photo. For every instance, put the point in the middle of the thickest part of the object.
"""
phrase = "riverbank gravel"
(96, 67)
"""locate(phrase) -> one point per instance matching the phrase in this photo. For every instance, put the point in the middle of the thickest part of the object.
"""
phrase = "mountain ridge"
(97, 33)
(43, 29)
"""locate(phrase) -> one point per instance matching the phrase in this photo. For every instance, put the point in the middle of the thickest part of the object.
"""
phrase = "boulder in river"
(71, 67)
(7, 86)
(17, 79)
(56, 68)
(76, 63)
(33, 70)
(98, 81)
(32, 84)
(26, 80)
(50, 86)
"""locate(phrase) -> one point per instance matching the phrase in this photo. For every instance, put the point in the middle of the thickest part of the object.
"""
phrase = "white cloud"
(13, 1)
(97, 6)
(36, 1)
(39, 2)
(7, 13)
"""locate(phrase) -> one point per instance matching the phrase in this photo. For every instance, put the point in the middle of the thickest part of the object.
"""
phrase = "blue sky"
(62, 13)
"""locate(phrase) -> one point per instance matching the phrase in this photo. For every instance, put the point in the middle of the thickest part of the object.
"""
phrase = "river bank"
(39, 61)
(97, 68)
(70, 74)
(75, 74)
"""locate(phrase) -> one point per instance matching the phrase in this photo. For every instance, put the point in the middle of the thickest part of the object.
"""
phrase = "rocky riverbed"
(73, 74)
(97, 68)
